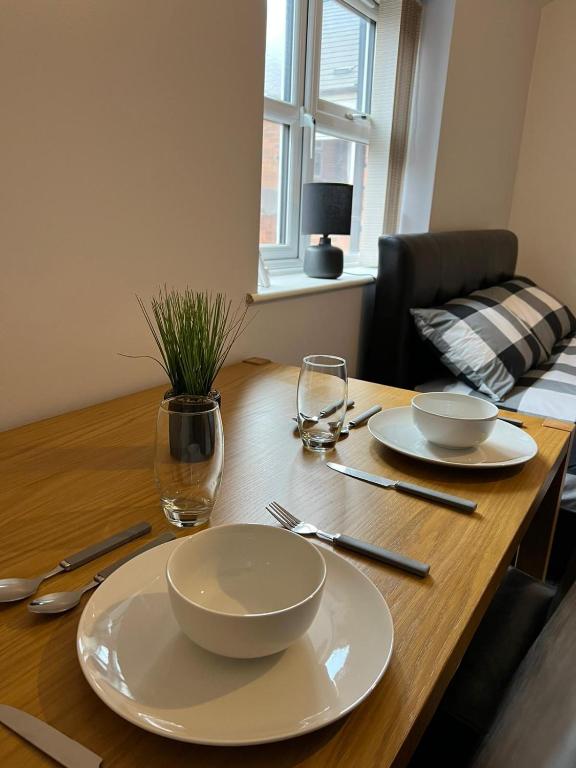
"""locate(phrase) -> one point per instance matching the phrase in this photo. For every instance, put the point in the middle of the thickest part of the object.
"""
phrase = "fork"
(294, 524)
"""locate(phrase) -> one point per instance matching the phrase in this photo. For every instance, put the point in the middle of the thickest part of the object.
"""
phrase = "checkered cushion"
(481, 341)
(546, 317)
(548, 390)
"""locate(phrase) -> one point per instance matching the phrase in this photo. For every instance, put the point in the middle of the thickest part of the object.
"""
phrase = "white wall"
(544, 209)
(130, 157)
(489, 71)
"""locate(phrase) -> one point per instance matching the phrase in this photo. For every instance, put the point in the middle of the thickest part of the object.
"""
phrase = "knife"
(358, 420)
(510, 420)
(64, 750)
(416, 490)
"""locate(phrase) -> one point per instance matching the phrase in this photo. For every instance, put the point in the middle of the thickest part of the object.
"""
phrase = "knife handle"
(362, 417)
(94, 551)
(384, 555)
(162, 539)
(442, 498)
(510, 420)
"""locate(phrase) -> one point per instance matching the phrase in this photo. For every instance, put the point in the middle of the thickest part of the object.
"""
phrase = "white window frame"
(305, 115)
(285, 255)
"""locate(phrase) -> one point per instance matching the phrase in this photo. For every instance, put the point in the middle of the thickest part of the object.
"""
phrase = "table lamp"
(326, 210)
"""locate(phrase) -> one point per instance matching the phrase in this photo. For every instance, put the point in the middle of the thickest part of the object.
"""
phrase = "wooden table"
(70, 480)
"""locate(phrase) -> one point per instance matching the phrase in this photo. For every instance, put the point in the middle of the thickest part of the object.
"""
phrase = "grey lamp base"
(324, 260)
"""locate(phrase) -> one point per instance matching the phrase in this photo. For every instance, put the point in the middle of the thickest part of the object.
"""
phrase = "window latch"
(308, 120)
(356, 116)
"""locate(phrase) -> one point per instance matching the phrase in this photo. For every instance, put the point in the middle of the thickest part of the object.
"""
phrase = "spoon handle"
(162, 539)
(333, 407)
(107, 545)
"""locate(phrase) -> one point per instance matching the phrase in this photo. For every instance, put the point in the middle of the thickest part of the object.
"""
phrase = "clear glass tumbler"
(321, 401)
(189, 458)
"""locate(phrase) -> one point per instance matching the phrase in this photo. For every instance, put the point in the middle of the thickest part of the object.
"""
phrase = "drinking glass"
(189, 458)
(321, 401)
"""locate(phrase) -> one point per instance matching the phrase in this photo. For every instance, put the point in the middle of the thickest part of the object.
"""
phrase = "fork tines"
(282, 515)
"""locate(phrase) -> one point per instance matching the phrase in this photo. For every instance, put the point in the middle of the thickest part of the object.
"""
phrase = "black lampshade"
(326, 209)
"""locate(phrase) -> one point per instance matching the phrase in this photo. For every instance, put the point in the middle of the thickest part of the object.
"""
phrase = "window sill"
(290, 286)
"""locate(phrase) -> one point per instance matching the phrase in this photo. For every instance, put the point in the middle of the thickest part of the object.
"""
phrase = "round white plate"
(142, 666)
(507, 445)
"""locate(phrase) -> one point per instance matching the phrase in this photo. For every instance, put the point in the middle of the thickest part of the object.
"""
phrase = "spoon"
(314, 420)
(327, 411)
(59, 602)
(12, 590)
(17, 589)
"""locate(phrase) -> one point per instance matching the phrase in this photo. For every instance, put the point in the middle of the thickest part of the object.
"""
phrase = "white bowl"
(453, 420)
(245, 590)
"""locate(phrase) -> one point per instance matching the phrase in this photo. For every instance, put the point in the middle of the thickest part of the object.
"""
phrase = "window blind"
(405, 71)
(397, 38)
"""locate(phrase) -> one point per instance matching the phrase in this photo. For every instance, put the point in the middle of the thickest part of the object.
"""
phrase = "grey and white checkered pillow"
(546, 317)
(481, 341)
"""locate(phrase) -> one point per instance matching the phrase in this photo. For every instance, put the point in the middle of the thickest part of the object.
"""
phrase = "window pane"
(279, 43)
(345, 162)
(346, 57)
(273, 194)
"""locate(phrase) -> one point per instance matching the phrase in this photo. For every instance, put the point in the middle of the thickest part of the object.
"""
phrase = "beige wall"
(484, 104)
(130, 157)
(544, 207)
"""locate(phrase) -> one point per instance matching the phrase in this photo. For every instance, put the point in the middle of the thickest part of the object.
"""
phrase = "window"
(281, 137)
(345, 161)
(346, 56)
(273, 198)
(279, 49)
(318, 88)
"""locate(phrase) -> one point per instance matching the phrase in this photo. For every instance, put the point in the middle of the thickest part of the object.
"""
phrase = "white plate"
(142, 666)
(507, 445)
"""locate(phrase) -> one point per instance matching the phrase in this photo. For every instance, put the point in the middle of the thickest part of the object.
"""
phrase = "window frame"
(283, 255)
(305, 115)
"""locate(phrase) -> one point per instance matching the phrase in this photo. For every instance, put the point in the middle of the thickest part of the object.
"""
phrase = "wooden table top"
(70, 480)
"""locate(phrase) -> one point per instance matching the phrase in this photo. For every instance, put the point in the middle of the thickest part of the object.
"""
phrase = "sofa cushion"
(547, 318)
(548, 391)
(481, 341)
